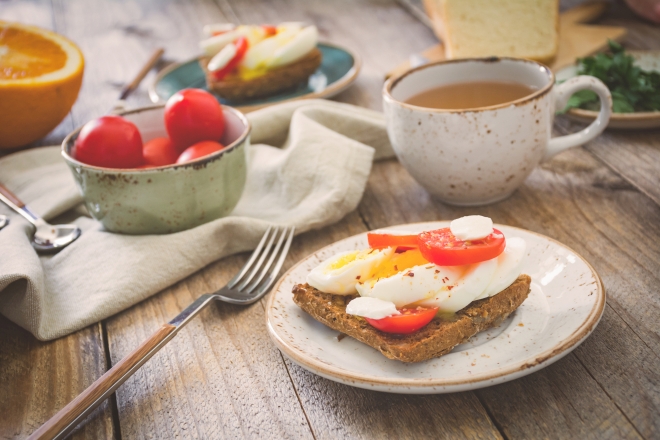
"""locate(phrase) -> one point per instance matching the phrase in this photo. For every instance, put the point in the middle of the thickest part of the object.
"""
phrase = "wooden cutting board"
(576, 39)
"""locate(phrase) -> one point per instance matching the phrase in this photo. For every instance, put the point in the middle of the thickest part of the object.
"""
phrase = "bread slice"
(439, 337)
(274, 81)
(483, 28)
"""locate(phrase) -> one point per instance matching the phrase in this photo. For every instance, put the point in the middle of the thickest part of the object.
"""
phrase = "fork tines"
(259, 273)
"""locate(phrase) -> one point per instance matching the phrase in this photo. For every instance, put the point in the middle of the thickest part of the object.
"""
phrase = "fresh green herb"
(633, 89)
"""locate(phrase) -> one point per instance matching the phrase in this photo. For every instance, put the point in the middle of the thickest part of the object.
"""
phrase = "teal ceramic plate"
(338, 70)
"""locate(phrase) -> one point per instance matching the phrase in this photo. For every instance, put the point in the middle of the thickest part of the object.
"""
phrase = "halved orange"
(40, 76)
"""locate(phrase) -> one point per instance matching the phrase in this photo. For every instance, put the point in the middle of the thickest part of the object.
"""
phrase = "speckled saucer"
(563, 308)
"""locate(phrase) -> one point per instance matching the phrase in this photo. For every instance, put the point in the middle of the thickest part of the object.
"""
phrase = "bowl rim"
(194, 163)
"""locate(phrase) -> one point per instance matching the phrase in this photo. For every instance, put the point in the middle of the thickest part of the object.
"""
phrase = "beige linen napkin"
(308, 167)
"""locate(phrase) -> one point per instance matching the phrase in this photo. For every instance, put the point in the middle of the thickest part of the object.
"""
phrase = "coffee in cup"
(471, 131)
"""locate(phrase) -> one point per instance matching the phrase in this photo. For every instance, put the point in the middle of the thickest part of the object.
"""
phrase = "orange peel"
(40, 76)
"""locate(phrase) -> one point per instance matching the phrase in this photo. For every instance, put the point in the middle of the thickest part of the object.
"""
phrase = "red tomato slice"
(410, 320)
(200, 149)
(444, 249)
(383, 239)
(241, 47)
(269, 30)
(159, 152)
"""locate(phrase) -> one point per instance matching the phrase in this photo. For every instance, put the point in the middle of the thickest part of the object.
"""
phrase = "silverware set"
(251, 283)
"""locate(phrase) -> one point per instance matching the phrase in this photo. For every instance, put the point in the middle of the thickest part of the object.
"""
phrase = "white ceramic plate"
(565, 304)
(647, 60)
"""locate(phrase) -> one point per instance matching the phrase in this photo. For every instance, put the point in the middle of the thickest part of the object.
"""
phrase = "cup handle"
(562, 93)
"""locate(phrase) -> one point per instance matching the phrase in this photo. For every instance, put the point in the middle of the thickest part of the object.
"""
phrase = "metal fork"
(252, 282)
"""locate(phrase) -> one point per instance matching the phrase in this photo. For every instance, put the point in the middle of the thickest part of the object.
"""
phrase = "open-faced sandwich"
(413, 296)
(250, 61)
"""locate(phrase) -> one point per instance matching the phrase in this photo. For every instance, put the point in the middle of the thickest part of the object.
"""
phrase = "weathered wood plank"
(634, 154)
(220, 377)
(38, 378)
(580, 202)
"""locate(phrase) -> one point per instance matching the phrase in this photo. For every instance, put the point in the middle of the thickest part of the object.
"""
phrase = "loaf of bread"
(504, 28)
(438, 337)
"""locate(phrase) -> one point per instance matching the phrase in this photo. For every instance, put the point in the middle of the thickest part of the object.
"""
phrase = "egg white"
(342, 280)
(450, 288)
(509, 266)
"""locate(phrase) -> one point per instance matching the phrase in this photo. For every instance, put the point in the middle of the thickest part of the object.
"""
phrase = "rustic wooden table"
(221, 377)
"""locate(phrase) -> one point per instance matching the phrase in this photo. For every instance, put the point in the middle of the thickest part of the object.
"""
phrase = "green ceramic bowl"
(165, 199)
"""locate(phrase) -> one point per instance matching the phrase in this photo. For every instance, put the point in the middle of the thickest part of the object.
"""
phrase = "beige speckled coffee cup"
(480, 156)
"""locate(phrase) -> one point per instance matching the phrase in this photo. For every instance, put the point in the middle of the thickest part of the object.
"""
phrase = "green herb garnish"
(633, 89)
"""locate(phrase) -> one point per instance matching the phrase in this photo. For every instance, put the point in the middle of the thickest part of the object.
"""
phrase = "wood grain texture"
(580, 202)
(220, 377)
(114, 377)
(634, 154)
(38, 378)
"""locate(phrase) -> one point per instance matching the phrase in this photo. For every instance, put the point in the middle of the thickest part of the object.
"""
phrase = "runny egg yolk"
(395, 264)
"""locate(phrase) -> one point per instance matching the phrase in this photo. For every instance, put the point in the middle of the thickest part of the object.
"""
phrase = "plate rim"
(494, 376)
(334, 88)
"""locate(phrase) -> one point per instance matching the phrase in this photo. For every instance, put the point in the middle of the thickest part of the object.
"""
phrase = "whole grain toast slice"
(274, 81)
(439, 337)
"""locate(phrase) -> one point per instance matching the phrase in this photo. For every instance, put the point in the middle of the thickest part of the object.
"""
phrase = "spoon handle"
(10, 199)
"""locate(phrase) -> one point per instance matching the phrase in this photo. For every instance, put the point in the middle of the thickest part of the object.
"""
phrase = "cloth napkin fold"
(308, 167)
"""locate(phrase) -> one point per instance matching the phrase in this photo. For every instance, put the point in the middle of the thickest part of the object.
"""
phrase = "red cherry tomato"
(383, 239)
(269, 30)
(444, 249)
(241, 47)
(410, 320)
(200, 149)
(191, 116)
(109, 142)
(159, 152)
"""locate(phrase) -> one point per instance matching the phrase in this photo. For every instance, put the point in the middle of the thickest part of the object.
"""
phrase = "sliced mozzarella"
(373, 308)
(222, 58)
(339, 273)
(211, 29)
(471, 227)
(257, 56)
(298, 47)
(213, 45)
(261, 55)
(509, 266)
